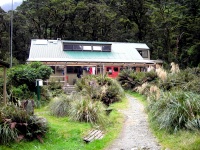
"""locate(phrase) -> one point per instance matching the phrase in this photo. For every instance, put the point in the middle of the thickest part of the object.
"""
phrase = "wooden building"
(73, 59)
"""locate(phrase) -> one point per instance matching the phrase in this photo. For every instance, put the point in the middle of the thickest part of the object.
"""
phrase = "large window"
(106, 48)
(68, 47)
(72, 69)
(87, 47)
(77, 47)
(143, 53)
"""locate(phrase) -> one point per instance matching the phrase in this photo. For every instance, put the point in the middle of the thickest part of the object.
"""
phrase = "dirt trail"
(135, 134)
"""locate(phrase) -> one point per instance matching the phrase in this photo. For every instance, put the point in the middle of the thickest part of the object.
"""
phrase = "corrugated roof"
(52, 50)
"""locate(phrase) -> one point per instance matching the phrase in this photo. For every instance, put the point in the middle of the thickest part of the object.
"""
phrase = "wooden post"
(65, 75)
(103, 70)
(4, 87)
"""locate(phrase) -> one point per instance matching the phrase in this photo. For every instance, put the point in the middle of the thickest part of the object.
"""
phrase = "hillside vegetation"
(169, 27)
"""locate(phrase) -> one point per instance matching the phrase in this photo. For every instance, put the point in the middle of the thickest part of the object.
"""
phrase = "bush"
(27, 74)
(111, 92)
(129, 79)
(174, 109)
(60, 106)
(55, 88)
(86, 110)
(101, 88)
(17, 124)
(7, 135)
(21, 93)
(143, 89)
(187, 80)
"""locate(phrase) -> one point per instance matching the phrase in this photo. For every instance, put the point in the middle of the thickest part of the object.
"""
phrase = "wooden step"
(93, 135)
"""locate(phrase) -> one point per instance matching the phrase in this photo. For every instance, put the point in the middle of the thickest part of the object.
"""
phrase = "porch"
(68, 73)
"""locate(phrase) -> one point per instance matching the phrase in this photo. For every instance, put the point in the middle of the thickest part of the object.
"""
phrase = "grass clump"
(174, 110)
(7, 135)
(129, 79)
(100, 88)
(86, 110)
(60, 106)
(65, 133)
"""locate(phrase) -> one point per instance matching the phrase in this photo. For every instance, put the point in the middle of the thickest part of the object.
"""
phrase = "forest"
(171, 28)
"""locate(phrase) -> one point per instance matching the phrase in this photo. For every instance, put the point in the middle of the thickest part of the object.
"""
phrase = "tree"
(27, 74)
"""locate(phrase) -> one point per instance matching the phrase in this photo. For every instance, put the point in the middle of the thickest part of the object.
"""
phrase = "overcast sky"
(2, 2)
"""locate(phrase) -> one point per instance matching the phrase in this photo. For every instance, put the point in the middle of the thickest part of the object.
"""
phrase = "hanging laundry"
(93, 70)
(90, 70)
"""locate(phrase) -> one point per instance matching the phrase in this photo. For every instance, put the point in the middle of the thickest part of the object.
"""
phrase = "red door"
(113, 71)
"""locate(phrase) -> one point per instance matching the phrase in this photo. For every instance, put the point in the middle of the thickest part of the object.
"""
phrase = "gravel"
(135, 134)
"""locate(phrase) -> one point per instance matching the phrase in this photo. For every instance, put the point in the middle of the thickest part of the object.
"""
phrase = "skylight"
(87, 47)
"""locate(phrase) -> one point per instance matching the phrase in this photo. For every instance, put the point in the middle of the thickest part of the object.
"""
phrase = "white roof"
(52, 50)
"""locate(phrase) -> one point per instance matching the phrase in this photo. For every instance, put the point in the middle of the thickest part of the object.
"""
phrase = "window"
(109, 70)
(77, 47)
(115, 69)
(143, 53)
(97, 48)
(68, 47)
(106, 48)
(72, 69)
(87, 47)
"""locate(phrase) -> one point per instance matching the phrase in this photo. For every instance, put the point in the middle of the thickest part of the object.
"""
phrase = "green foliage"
(129, 79)
(101, 88)
(21, 92)
(17, 124)
(111, 92)
(60, 105)
(67, 134)
(174, 109)
(187, 79)
(27, 74)
(85, 109)
(170, 28)
(7, 135)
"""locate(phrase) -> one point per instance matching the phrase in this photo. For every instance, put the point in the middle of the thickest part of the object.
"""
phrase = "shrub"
(129, 79)
(187, 80)
(174, 109)
(86, 110)
(27, 74)
(7, 135)
(193, 124)
(46, 95)
(100, 88)
(55, 88)
(143, 89)
(17, 124)
(60, 106)
(21, 93)
(111, 92)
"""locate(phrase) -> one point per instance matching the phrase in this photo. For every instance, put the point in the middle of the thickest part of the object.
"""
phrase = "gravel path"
(135, 134)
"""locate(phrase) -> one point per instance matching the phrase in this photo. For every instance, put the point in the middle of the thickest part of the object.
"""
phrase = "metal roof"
(52, 50)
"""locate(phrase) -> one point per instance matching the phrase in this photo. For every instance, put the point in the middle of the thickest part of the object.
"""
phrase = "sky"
(3, 2)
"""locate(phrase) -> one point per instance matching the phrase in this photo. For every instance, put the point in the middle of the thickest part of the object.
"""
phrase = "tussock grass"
(65, 134)
(60, 105)
(85, 109)
(180, 140)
